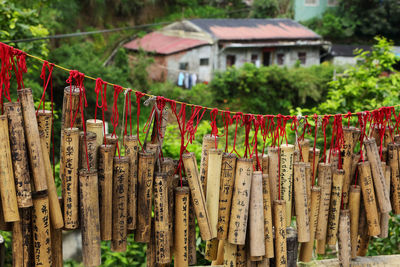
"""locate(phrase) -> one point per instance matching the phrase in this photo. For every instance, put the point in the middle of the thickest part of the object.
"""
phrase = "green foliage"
(389, 245)
(272, 9)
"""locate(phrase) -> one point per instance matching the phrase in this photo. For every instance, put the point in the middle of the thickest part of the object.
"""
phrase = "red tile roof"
(163, 44)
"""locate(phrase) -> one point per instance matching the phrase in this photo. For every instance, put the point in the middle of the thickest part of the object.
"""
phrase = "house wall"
(303, 11)
(291, 55)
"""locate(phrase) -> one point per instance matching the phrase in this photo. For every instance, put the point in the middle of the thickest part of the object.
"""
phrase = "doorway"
(266, 58)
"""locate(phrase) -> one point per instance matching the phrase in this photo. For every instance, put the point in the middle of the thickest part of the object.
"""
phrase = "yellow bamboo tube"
(44, 121)
(256, 217)
(19, 156)
(213, 187)
(161, 224)
(314, 161)
(280, 233)
(240, 202)
(90, 146)
(241, 255)
(181, 226)
(56, 215)
(225, 194)
(112, 140)
(336, 197)
(69, 177)
(325, 182)
(384, 217)
(363, 245)
(286, 178)
(220, 255)
(96, 126)
(320, 247)
(387, 138)
(367, 188)
(268, 234)
(168, 167)
(393, 156)
(56, 244)
(308, 184)
(273, 172)
(300, 191)
(354, 161)
(209, 142)
(192, 234)
(229, 254)
(70, 100)
(347, 152)
(306, 249)
(196, 189)
(344, 238)
(381, 190)
(105, 176)
(131, 151)
(354, 206)
(90, 220)
(304, 148)
(211, 251)
(22, 240)
(265, 164)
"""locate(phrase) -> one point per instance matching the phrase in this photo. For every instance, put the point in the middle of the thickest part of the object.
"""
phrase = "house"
(308, 9)
(203, 46)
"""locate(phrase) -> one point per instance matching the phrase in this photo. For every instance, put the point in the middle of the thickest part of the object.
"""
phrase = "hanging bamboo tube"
(56, 244)
(151, 248)
(354, 161)
(306, 249)
(144, 194)
(119, 204)
(189, 162)
(32, 139)
(7, 185)
(325, 182)
(44, 120)
(286, 178)
(220, 255)
(213, 187)
(70, 108)
(313, 160)
(90, 147)
(96, 126)
(168, 167)
(344, 238)
(265, 164)
(256, 217)
(161, 223)
(268, 234)
(354, 206)
(384, 217)
(273, 171)
(209, 142)
(113, 141)
(367, 188)
(308, 184)
(362, 231)
(280, 233)
(292, 246)
(229, 254)
(41, 230)
(304, 149)
(225, 194)
(211, 250)
(56, 216)
(192, 234)
(240, 202)
(393, 156)
(131, 151)
(105, 176)
(300, 191)
(19, 156)
(181, 226)
(381, 190)
(22, 240)
(241, 255)
(90, 220)
(336, 197)
(4, 226)
(347, 152)
(69, 177)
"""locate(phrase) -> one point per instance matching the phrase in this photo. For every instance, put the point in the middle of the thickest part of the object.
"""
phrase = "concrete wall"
(303, 11)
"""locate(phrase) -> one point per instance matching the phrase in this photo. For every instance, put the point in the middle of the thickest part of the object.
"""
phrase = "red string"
(214, 128)
(325, 123)
(226, 115)
(115, 114)
(348, 117)
(6, 53)
(237, 117)
(181, 119)
(45, 83)
(257, 123)
(101, 88)
(139, 95)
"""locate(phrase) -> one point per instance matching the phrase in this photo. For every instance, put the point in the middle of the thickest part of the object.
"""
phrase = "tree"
(271, 9)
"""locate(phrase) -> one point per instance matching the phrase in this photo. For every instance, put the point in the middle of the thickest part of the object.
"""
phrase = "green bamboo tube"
(105, 179)
(336, 197)
(181, 226)
(131, 151)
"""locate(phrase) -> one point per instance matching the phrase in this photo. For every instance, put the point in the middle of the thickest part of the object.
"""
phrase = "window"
(183, 66)
(302, 57)
(230, 60)
(254, 58)
(332, 2)
(203, 61)
(280, 58)
(311, 2)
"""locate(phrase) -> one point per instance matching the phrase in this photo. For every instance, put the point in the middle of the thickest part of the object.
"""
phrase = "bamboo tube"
(308, 184)
(19, 156)
(286, 178)
(397, 139)
(325, 182)
(56, 216)
(367, 188)
(265, 164)
(4, 226)
(336, 197)
(393, 156)
(70, 108)
(22, 240)
(209, 142)
(259, 166)
(151, 248)
(354, 161)
(273, 172)
(292, 246)
(144, 194)
(153, 147)
(192, 234)
(7, 185)
(44, 120)
(240, 202)
(229, 254)
(161, 223)
(90, 221)
(32, 138)
(354, 206)
(113, 141)
(96, 126)
(90, 145)
(213, 187)
(241, 255)
(320, 247)
(306, 249)
(189, 162)
(387, 138)
(167, 166)
(381, 190)
(256, 223)
(363, 232)
(268, 234)
(304, 148)
(41, 229)
(300, 191)
(131, 151)
(347, 152)
(211, 251)
(225, 194)
(105, 176)
(119, 204)
(57, 244)
(280, 233)
(314, 161)
(220, 255)
(356, 136)
(333, 155)
(69, 177)
(384, 217)
(344, 238)
(181, 226)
